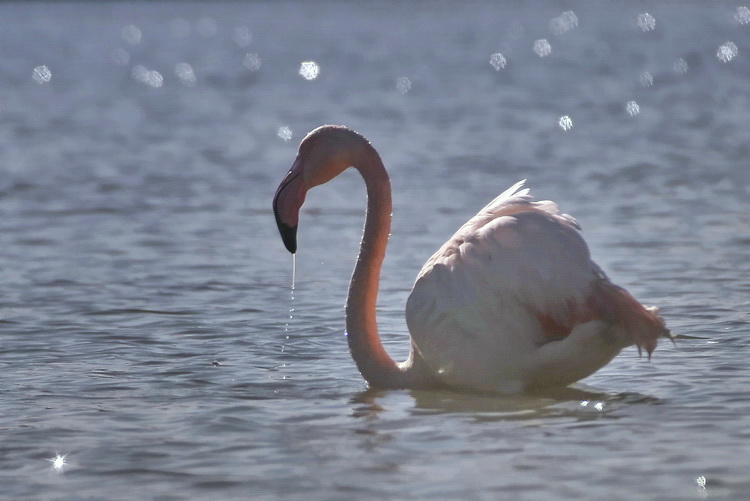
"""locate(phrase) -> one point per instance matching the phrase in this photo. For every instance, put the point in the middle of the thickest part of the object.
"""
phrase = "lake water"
(147, 329)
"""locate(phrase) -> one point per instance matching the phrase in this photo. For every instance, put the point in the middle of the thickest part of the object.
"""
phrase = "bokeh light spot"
(284, 133)
(309, 70)
(185, 73)
(542, 47)
(403, 85)
(498, 61)
(120, 57)
(680, 66)
(632, 108)
(726, 52)
(251, 61)
(131, 34)
(242, 36)
(564, 23)
(646, 79)
(41, 74)
(565, 123)
(646, 22)
(742, 15)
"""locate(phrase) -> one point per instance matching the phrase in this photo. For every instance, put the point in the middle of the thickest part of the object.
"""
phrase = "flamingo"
(511, 302)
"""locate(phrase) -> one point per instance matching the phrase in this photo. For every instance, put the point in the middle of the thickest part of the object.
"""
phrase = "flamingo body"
(512, 301)
(507, 285)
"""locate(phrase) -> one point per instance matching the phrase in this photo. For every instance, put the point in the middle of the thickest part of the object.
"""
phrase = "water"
(145, 294)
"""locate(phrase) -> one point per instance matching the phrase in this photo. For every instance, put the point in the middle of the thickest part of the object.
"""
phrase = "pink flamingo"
(511, 302)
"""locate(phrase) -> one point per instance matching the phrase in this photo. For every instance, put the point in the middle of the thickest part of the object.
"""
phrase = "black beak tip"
(289, 237)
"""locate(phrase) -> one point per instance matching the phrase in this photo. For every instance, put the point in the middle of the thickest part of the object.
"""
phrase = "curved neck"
(376, 366)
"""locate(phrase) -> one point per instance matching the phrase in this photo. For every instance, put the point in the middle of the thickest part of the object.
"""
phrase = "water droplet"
(285, 133)
(646, 79)
(242, 36)
(121, 57)
(742, 15)
(680, 66)
(207, 27)
(498, 61)
(564, 23)
(131, 34)
(542, 47)
(565, 122)
(403, 85)
(41, 74)
(646, 22)
(632, 108)
(726, 52)
(309, 70)
(701, 481)
(251, 61)
(185, 73)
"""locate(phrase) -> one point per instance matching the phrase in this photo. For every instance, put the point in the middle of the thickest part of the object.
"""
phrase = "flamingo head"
(323, 154)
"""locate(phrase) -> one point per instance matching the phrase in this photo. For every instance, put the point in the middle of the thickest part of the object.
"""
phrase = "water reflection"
(577, 401)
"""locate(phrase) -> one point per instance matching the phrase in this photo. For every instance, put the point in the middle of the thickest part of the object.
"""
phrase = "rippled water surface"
(149, 343)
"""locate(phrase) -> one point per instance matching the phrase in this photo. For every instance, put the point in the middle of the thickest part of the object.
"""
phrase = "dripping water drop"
(291, 303)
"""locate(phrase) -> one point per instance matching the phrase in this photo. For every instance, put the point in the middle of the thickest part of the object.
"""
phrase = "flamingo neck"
(373, 362)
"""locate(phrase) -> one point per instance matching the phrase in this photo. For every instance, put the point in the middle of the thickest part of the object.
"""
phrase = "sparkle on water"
(185, 73)
(284, 133)
(498, 61)
(309, 70)
(632, 108)
(564, 23)
(41, 74)
(726, 52)
(251, 61)
(646, 22)
(542, 47)
(565, 122)
(403, 85)
(58, 462)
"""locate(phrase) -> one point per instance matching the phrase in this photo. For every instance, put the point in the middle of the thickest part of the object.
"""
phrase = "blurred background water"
(149, 344)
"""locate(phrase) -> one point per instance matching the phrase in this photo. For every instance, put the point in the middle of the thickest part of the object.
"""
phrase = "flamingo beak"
(287, 202)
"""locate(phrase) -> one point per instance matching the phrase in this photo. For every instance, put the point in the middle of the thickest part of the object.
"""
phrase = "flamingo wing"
(513, 299)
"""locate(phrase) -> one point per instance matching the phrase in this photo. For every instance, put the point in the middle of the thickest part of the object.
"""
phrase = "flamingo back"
(514, 278)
